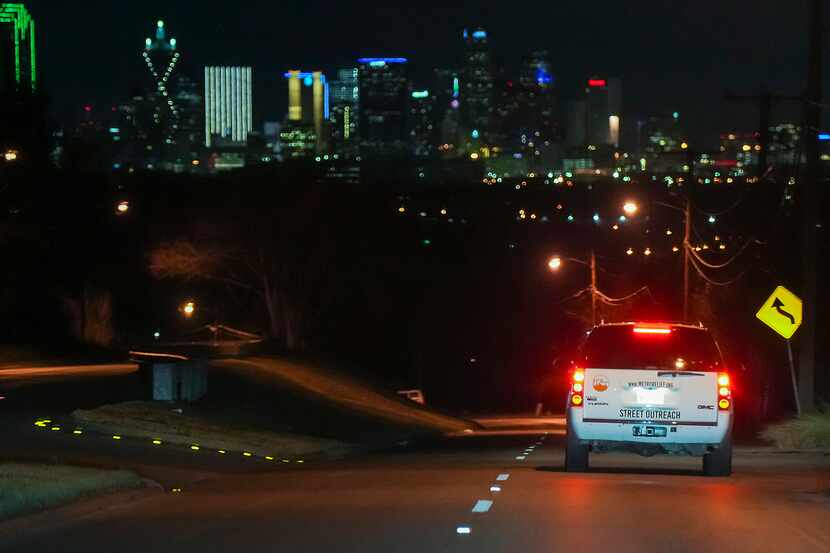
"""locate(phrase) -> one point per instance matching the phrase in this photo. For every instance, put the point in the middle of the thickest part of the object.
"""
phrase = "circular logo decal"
(600, 383)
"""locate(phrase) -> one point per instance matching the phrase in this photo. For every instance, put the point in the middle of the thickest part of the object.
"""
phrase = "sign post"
(782, 312)
(792, 374)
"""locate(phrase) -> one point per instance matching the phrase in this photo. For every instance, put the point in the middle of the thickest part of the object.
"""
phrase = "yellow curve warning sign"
(781, 312)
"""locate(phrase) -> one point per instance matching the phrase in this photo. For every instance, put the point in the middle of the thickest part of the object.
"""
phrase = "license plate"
(650, 397)
(650, 431)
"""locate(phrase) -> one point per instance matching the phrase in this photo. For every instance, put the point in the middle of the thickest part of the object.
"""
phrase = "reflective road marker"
(495, 489)
(482, 506)
(48, 424)
(502, 477)
(463, 530)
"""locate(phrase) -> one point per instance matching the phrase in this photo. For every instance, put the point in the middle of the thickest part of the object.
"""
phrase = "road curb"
(13, 530)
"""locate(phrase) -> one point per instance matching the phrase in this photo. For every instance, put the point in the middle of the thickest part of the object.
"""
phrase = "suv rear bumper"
(615, 434)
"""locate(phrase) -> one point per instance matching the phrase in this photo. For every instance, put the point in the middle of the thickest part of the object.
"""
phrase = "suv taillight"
(724, 391)
(577, 387)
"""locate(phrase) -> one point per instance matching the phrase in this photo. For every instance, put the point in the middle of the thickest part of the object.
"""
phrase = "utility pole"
(809, 204)
(687, 235)
(594, 287)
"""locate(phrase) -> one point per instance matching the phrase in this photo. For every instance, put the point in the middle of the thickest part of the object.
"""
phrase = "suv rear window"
(619, 347)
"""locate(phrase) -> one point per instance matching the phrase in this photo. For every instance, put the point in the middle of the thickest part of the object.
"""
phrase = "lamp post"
(555, 263)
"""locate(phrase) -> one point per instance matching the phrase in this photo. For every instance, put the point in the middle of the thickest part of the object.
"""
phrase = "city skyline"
(589, 43)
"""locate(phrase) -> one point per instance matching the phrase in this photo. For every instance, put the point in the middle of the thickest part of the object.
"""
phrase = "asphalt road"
(417, 499)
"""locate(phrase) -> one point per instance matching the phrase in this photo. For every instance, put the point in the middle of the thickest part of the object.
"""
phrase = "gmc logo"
(707, 407)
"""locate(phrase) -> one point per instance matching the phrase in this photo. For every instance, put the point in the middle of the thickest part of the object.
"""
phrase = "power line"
(612, 301)
(710, 280)
(720, 265)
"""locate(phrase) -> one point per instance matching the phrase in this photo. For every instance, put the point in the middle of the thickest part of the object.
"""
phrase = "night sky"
(670, 54)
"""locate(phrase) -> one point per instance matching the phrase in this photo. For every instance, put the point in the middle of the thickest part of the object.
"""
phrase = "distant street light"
(555, 263)
(10, 155)
(122, 207)
(189, 308)
(630, 208)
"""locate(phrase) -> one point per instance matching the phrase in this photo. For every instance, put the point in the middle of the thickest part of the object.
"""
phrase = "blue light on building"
(823, 136)
(479, 35)
(543, 77)
(384, 60)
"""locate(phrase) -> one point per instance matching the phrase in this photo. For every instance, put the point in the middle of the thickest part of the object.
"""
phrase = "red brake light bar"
(597, 82)
(652, 330)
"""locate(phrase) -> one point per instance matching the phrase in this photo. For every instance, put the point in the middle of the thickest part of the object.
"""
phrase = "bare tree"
(243, 266)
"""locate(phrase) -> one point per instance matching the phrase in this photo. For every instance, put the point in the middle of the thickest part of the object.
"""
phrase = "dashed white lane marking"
(502, 477)
(495, 489)
(482, 506)
(521, 457)
(463, 530)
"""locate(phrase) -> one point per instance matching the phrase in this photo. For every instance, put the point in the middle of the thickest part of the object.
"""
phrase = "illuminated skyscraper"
(446, 89)
(190, 105)
(304, 132)
(534, 126)
(18, 60)
(384, 101)
(228, 105)
(343, 117)
(603, 104)
(537, 95)
(423, 131)
(161, 56)
(477, 90)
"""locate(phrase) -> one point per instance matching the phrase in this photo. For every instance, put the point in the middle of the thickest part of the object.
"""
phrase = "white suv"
(650, 388)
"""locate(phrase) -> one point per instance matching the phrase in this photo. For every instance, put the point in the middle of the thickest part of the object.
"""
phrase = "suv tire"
(576, 455)
(719, 461)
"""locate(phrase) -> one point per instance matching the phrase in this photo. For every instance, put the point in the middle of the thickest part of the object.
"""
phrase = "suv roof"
(622, 345)
(698, 326)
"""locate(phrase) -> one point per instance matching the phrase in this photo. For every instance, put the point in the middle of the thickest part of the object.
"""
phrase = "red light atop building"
(88, 108)
(596, 83)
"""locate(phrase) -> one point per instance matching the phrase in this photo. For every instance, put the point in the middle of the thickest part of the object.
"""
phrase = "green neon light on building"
(24, 34)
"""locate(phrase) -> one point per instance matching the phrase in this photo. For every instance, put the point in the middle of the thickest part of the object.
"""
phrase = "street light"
(122, 207)
(555, 264)
(10, 155)
(630, 208)
(189, 308)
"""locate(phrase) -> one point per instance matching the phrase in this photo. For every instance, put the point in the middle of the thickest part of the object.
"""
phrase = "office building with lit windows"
(423, 133)
(384, 103)
(477, 93)
(343, 115)
(305, 129)
(228, 105)
(18, 59)
(603, 105)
